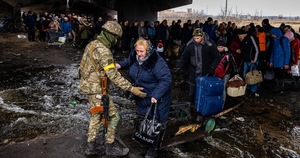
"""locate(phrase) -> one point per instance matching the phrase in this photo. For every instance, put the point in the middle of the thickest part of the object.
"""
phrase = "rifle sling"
(93, 61)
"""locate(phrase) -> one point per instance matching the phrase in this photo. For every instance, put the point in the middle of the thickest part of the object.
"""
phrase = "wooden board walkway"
(169, 139)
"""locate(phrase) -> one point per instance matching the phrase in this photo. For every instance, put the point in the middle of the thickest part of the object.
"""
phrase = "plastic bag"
(62, 39)
(295, 70)
(22, 36)
(149, 131)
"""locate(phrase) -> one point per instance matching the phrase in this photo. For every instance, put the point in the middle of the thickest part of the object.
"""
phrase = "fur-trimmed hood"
(149, 63)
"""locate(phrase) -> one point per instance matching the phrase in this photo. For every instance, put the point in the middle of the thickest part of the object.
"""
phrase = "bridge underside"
(125, 10)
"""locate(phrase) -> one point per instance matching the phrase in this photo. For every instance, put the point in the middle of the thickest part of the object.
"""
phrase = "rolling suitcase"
(209, 97)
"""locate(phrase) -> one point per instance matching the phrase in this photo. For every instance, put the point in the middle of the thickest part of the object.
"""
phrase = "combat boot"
(90, 149)
(116, 149)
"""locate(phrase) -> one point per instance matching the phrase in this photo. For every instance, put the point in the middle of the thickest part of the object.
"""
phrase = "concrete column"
(17, 14)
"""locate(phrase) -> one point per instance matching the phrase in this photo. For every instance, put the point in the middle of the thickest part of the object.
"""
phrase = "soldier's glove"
(137, 91)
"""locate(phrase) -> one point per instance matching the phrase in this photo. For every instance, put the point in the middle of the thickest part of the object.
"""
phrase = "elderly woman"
(147, 69)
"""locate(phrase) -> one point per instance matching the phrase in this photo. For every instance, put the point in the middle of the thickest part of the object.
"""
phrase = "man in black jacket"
(30, 26)
(99, 25)
(201, 57)
(250, 51)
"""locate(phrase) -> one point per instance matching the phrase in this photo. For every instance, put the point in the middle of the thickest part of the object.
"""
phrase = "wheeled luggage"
(209, 97)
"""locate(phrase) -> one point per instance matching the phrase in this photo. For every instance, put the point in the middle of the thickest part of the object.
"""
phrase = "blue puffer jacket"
(155, 77)
(280, 54)
(66, 27)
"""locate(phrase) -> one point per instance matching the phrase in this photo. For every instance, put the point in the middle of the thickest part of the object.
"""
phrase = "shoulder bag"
(253, 76)
(148, 130)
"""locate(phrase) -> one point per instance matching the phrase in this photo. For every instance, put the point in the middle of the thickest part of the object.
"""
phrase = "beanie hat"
(260, 29)
(240, 31)
(151, 23)
(266, 21)
(289, 35)
(221, 43)
(198, 32)
(209, 19)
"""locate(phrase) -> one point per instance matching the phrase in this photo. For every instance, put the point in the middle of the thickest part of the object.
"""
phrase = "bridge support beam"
(135, 10)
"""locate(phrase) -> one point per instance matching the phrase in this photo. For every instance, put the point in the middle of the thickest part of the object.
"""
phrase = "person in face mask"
(97, 61)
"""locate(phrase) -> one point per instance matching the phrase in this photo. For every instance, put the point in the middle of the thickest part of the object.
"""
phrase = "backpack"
(222, 67)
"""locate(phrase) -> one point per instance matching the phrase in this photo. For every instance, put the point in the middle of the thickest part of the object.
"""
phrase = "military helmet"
(113, 28)
(198, 32)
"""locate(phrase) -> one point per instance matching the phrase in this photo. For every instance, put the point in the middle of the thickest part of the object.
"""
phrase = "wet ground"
(44, 115)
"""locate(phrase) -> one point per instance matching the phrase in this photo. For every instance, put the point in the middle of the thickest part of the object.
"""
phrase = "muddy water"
(42, 100)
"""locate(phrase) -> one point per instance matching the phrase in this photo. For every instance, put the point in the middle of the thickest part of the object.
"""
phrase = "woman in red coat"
(235, 47)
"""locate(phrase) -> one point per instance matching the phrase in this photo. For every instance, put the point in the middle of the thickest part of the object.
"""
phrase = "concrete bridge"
(124, 9)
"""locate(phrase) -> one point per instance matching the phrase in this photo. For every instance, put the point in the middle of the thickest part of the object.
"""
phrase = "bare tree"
(229, 12)
(256, 14)
(222, 13)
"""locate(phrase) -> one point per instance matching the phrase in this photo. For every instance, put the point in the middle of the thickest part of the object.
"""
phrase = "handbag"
(253, 76)
(236, 87)
(148, 130)
(269, 75)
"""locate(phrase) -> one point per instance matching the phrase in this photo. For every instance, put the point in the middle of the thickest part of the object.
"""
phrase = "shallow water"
(35, 101)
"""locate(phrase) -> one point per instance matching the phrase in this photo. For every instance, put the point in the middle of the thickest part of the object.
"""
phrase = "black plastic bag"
(148, 130)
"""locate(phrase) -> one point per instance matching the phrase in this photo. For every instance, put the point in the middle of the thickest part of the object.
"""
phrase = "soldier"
(98, 61)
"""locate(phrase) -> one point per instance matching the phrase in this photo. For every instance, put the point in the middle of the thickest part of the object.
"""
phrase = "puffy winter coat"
(280, 54)
(155, 77)
(209, 55)
(66, 27)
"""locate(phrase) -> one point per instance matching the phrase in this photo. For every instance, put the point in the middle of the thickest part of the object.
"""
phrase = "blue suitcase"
(209, 97)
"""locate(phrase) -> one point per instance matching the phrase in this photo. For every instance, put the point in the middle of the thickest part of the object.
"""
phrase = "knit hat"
(209, 19)
(198, 32)
(265, 21)
(240, 31)
(151, 23)
(221, 43)
(260, 29)
(289, 35)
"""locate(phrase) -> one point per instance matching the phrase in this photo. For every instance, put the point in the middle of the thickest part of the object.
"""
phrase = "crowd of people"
(202, 45)
(78, 29)
(263, 47)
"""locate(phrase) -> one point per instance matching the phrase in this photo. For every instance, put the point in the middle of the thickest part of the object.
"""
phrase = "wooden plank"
(169, 139)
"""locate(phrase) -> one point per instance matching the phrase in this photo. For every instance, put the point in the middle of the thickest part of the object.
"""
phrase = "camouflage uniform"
(90, 85)
(97, 61)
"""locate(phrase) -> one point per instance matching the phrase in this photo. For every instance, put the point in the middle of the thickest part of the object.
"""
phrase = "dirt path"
(17, 51)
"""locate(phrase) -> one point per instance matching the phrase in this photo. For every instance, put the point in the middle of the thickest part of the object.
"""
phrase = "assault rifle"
(105, 101)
